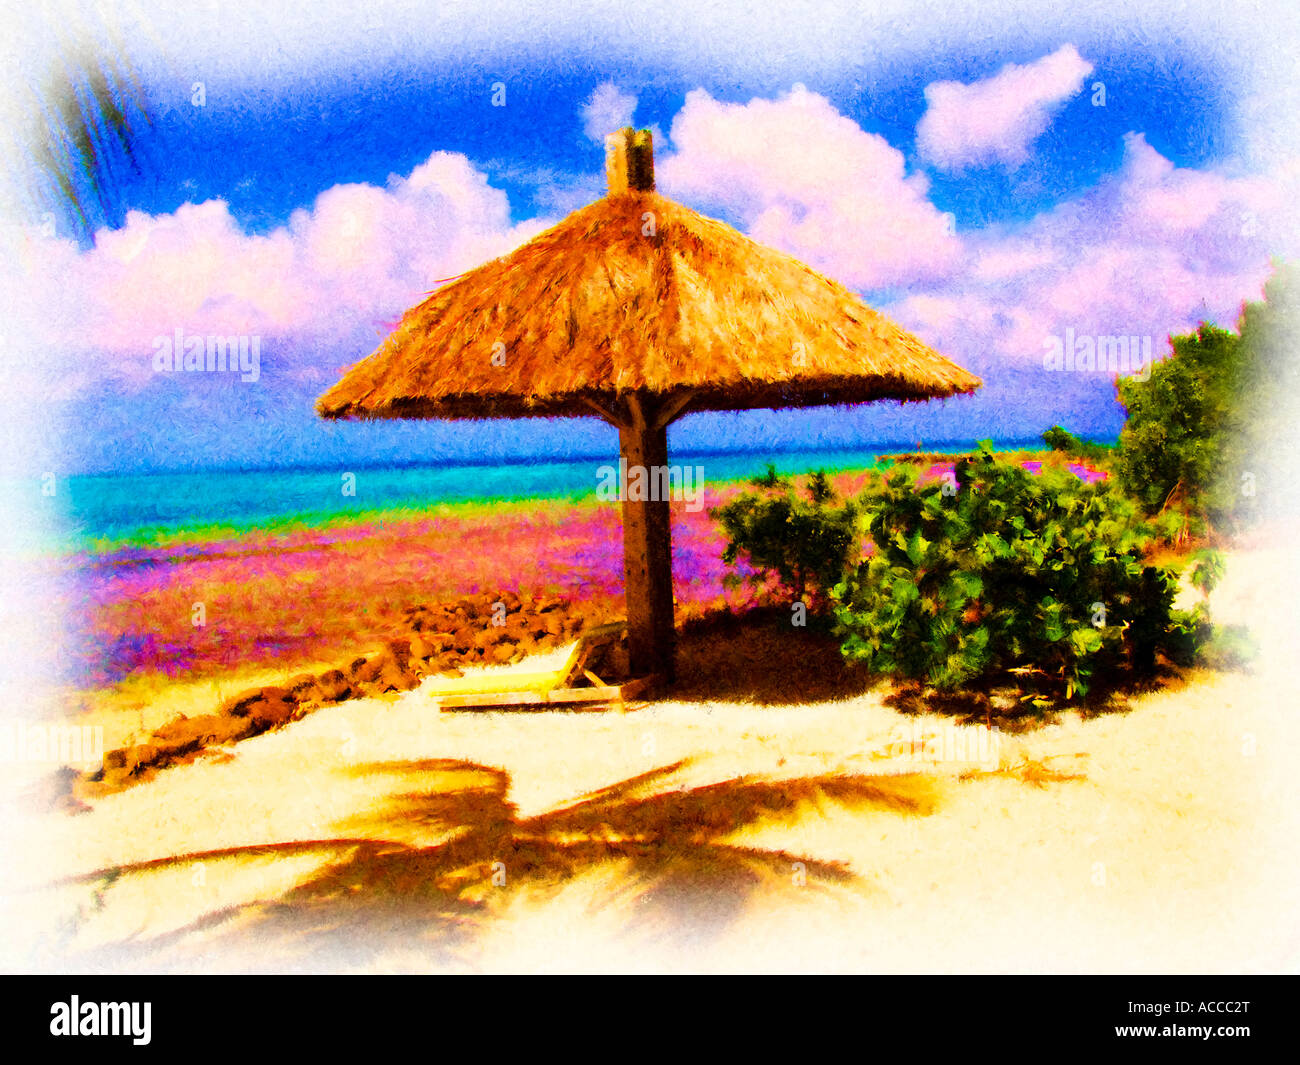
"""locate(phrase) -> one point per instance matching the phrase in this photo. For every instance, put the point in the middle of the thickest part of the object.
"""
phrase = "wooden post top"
(630, 161)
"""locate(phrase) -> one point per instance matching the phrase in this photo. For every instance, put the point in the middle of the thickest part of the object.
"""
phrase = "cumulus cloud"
(799, 176)
(997, 119)
(1153, 249)
(340, 269)
(606, 110)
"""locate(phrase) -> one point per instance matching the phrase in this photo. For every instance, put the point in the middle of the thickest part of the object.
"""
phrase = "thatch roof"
(636, 293)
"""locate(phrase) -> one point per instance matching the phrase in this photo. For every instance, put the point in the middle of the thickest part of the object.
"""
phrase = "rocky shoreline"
(442, 638)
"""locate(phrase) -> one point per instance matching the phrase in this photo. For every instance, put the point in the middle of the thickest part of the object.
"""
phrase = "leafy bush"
(1206, 570)
(806, 540)
(1202, 428)
(1064, 441)
(1227, 647)
(1172, 443)
(1220, 647)
(1041, 577)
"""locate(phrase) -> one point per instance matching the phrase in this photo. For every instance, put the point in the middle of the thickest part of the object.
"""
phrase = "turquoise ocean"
(79, 513)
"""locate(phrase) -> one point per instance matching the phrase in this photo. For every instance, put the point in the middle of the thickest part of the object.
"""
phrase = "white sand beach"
(382, 835)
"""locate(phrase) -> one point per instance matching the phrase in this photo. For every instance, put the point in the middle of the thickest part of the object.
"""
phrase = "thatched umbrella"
(639, 310)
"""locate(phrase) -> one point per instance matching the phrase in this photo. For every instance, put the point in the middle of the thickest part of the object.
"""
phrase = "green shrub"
(1226, 647)
(805, 539)
(1201, 430)
(1007, 573)
(1219, 647)
(1206, 570)
(1064, 441)
(1172, 444)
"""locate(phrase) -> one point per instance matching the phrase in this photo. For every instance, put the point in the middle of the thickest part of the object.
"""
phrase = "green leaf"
(1086, 640)
(917, 545)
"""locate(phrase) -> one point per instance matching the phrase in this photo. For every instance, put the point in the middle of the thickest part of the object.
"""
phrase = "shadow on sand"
(760, 657)
(675, 868)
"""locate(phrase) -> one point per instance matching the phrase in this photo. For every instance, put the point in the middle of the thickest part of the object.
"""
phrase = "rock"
(116, 759)
(188, 734)
(180, 736)
(425, 619)
(369, 670)
(333, 687)
(116, 778)
(420, 650)
(141, 756)
(177, 728)
(302, 684)
(271, 713)
(394, 678)
(238, 705)
(420, 618)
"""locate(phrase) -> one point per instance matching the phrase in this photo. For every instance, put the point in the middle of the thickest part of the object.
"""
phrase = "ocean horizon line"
(889, 446)
(99, 512)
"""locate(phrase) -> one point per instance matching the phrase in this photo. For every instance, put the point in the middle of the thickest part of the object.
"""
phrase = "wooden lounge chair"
(573, 684)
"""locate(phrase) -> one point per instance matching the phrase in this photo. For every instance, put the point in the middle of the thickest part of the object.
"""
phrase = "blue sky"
(964, 178)
(268, 152)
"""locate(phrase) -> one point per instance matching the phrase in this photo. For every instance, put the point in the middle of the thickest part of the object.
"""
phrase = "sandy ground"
(382, 835)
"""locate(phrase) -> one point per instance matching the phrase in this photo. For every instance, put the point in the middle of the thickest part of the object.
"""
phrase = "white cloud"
(997, 119)
(607, 110)
(802, 177)
(1153, 249)
(343, 268)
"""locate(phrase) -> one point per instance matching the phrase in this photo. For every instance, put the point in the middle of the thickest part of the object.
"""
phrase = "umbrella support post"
(647, 555)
